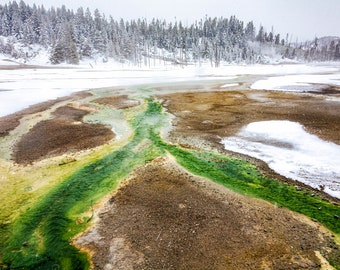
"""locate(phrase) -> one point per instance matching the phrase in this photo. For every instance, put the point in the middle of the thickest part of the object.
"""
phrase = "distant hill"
(322, 49)
(327, 41)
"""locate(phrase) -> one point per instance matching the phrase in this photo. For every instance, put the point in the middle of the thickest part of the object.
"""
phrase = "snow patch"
(300, 83)
(4, 61)
(20, 88)
(232, 70)
(229, 85)
(292, 152)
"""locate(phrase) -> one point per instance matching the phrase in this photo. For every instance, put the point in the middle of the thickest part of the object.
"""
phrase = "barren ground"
(63, 133)
(162, 217)
(119, 102)
(165, 218)
(10, 122)
(204, 118)
(213, 115)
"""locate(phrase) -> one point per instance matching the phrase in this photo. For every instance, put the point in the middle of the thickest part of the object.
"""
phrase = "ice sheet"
(292, 152)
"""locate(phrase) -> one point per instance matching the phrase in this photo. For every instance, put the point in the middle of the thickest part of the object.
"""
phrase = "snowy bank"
(299, 83)
(20, 88)
(292, 152)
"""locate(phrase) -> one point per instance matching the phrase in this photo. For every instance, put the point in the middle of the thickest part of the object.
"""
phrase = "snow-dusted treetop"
(70, 36)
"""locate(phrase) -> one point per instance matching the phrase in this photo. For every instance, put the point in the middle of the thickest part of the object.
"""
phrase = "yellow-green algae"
(39, 235)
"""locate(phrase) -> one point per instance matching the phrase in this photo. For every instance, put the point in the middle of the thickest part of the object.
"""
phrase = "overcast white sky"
(304, 19)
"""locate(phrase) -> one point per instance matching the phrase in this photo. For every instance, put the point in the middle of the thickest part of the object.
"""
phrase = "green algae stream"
(40, 238)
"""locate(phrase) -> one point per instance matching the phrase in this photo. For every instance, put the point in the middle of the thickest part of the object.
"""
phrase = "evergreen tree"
(73, 56)
(270, 38)
(58, 54)
(261, 35)
(250, 31)
(86, 48)
(337, 52)
(71, 36)
(277, 39)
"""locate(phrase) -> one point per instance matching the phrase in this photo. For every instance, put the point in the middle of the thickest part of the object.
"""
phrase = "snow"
(297, 82)
(229, 85)
(4, 62)
(20, 88)
(258, 69)
(292, 152)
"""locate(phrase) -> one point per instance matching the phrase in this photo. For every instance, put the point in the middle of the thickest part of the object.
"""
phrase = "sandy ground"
(164, 218)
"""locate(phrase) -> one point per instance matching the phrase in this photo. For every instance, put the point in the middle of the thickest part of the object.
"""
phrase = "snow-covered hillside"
(61, 35)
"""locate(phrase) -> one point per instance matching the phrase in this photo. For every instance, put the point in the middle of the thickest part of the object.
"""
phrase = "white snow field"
(300, 83)
(20, 88)
(292, 152)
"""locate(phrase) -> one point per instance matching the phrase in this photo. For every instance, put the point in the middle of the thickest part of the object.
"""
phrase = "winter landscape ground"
(152, 144)
(115, 167)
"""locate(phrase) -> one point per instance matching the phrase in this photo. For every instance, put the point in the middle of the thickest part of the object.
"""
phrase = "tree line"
(71, 36)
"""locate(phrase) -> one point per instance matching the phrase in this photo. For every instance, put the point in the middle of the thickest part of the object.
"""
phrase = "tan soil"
(165, 218)
(214, 115)
(119, 102)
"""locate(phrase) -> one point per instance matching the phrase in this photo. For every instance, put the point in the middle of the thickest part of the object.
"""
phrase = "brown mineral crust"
(119, 102)
(56, 137)
(214, 115)
(62, 134)
(165, 218)
(10, 122)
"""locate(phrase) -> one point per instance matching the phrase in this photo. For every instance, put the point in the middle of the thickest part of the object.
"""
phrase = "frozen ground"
(295, 154)
(302, 83)
(20, 88)
(290, 151)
